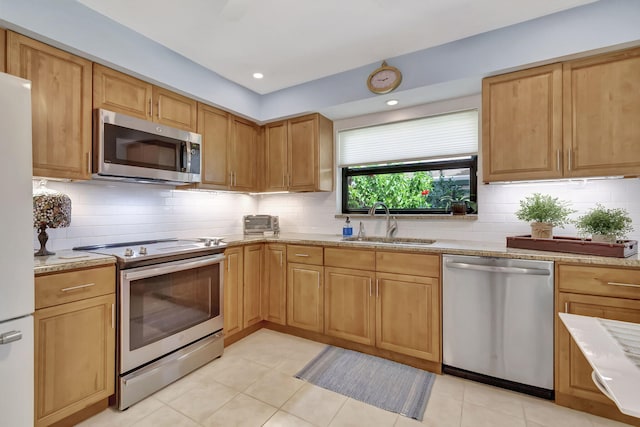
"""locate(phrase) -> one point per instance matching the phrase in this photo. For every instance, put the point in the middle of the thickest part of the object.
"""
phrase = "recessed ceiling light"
(392, 102)
(258, 75)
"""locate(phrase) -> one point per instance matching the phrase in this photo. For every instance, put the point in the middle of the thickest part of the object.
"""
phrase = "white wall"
(104, 212)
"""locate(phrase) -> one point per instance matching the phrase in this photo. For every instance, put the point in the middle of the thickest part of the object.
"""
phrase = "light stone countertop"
(69, 260)
(441, 246)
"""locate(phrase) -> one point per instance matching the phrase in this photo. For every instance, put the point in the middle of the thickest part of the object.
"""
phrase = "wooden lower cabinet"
(574, 386)
(305, 296)
(408, 315)
(349, 304)
(252, 289)
(233, 287)
(74, 343)
(590, 290)
(275, 285)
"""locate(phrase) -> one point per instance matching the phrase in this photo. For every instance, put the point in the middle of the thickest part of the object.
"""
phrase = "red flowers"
(425, 192)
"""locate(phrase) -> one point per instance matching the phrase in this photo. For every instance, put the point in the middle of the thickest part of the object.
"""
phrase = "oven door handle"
(144, 272)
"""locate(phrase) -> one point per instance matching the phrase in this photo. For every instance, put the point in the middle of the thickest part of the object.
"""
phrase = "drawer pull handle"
(73, 288)
(630, 285)
(303, 255)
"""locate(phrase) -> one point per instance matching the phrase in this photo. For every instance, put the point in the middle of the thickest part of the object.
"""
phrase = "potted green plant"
(458, 201)
(544, 212)
(605, 225)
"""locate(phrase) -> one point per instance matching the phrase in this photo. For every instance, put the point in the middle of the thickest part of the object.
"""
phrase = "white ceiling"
(296, 41)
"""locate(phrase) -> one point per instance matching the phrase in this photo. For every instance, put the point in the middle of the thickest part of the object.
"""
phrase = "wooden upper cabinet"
(214, 126)
(60, 104)
(601, 114)
(243, 155)
(299, 154)
(118, 92)
(571, 119)
(522, 125)
(275, 148)
(174, 110)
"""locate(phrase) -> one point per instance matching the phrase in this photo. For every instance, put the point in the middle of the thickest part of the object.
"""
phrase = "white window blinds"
(448, 135)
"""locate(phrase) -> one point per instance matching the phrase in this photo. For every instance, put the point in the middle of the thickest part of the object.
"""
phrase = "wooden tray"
(575, 245)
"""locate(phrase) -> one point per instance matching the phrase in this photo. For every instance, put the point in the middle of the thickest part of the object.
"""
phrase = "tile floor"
(253, 385)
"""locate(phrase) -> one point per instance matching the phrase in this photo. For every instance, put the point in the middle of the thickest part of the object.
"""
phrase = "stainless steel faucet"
(391, 228)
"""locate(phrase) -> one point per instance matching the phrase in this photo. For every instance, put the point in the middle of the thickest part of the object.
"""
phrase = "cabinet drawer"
(304, 254)
(609, 281)
(61, 288)
(406, 263)
(350, 258)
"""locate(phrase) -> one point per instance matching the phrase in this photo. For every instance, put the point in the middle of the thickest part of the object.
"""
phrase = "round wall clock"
(384, 79)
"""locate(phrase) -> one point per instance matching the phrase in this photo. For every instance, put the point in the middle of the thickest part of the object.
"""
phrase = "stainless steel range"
(170, 311)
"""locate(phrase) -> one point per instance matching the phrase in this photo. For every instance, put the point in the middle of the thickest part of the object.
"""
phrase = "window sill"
(446, 217)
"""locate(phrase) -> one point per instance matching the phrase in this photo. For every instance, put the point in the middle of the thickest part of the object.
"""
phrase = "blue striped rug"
(379, 382)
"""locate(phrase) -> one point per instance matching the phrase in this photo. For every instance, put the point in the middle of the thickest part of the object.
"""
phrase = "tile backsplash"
(314, 212)
(104, 212)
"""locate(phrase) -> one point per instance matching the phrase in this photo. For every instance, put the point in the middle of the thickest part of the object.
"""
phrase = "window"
(422, 166)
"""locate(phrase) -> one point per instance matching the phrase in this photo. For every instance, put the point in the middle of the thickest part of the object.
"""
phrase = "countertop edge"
(454, 247)
(70, 260)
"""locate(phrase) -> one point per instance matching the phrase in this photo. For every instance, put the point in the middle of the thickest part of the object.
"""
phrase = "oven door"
(167, 306)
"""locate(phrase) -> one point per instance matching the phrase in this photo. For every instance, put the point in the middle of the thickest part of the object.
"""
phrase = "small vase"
(541, 230)
(459, 208)
(603, 238)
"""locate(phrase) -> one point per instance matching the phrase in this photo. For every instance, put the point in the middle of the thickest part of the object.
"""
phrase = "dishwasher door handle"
(498, 269)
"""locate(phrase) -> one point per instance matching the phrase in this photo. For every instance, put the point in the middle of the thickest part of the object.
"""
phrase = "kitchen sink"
(390, 240)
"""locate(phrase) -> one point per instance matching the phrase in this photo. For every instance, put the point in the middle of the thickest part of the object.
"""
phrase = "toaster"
(261, 224)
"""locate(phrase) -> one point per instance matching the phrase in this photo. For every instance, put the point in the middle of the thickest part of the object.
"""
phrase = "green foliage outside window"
(397, 190)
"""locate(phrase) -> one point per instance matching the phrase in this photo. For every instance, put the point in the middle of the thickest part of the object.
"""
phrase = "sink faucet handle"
(361, 231)
(393, 227)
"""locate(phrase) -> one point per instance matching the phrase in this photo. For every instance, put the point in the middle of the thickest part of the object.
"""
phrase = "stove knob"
(143, 250)
(207, 242)
(128, 252)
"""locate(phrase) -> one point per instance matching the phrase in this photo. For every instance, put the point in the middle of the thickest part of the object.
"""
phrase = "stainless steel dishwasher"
(497, 322)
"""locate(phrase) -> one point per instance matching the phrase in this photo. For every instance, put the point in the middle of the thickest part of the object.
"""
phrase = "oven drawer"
(61, 288)
(304, 254)
(607, 281)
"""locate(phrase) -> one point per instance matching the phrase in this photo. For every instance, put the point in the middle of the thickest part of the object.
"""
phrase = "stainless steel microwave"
(128, 148)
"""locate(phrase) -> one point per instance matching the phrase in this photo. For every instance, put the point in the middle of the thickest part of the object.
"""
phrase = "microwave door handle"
(184, 157)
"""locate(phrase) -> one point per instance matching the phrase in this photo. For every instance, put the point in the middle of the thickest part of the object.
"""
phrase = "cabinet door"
(522, 125)
(60, 104)
(252, 293)
(304, 296)
(600, 114)
(116, 91)
(3, 50)
(213, 125)
(349, 304)
(573, 372)
(74, 357)
(174, 110)
(275, 298)
(408, 315)
(243, 155)
(303, 142)
(275, 138)
(233, 283)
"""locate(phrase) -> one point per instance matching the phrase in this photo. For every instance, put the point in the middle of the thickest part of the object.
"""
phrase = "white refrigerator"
(16, 254)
